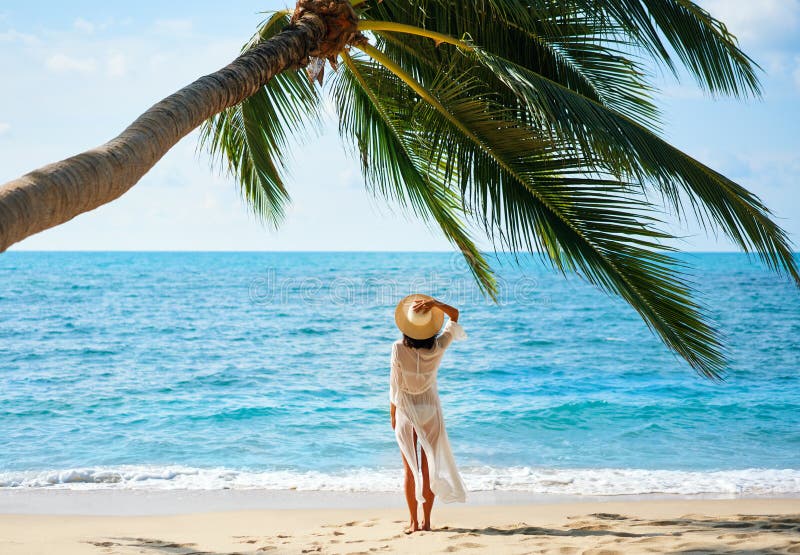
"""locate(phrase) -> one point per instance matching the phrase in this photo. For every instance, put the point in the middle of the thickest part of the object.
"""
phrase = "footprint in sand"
(663, 523)
(103, 544)
(592, 527)
(463, 535)
(608, 516)
(464, 545)
(159, 543)
(146, 542)
(732, 525)
(734, 536)
(776, 526)
(692, 547)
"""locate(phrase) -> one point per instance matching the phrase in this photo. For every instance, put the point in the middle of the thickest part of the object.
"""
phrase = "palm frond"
(633, 151)
(553, 39)
(637, 152)
(372, 115)
(702, 43)
(251, 139)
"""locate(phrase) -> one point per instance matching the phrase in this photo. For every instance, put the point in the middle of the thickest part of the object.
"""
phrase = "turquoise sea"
(270, 370)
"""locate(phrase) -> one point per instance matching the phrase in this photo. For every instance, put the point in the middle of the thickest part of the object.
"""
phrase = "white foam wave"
(579, 482)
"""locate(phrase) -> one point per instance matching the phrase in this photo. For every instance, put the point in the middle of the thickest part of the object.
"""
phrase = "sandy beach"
(641, 526)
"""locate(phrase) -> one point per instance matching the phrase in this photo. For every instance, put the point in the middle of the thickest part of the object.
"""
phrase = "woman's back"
(415, 370)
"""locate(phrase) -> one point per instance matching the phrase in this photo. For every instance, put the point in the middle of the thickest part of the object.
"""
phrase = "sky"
(76, 73)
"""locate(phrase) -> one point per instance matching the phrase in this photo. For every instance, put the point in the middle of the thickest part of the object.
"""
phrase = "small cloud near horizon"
(4, 128)
(63, 63)
(12, 35)
(116, 65)
(766, 22)
(83, 25)
(180, 27)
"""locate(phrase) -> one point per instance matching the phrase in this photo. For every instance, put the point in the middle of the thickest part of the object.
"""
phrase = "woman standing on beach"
(415, 407)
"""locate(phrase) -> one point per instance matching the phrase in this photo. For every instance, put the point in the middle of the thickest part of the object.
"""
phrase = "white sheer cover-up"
(413, 390)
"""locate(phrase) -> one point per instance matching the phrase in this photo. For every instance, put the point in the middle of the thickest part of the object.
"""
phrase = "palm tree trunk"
(58, 192)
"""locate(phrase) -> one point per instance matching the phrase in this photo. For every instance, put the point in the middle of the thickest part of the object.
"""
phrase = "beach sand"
(640, 526)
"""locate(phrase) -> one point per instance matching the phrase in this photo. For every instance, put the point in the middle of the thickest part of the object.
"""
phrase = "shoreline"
(143, 502)
(677, 526)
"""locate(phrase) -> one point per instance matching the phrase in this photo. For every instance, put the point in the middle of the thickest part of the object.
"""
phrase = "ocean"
(270, 370)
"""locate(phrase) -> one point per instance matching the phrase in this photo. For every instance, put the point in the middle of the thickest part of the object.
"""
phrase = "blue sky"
(76, 73)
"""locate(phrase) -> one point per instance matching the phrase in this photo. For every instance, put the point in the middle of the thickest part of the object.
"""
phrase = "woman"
(415, 407)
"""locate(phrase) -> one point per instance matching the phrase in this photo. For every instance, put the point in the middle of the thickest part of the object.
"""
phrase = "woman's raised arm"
(425, 306)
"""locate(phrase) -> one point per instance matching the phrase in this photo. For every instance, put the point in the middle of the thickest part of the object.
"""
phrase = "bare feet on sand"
(414, 527)
(411, 528)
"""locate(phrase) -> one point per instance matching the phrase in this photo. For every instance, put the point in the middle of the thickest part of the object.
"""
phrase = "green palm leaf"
(632, 150)
(372, 115)
(552, 39)
(627, 149)
(251, 139)
(705, 46)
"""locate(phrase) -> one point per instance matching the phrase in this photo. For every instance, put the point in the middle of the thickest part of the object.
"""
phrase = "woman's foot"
(413, 527)
(425, 526)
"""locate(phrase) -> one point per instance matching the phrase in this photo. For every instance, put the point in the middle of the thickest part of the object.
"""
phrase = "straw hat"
(418, 325)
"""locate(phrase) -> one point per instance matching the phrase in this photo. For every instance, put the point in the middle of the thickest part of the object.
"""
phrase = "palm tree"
(532, 120)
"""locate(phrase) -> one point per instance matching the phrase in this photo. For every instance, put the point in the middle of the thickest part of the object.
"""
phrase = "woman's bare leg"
(411, 497)
(427, 493)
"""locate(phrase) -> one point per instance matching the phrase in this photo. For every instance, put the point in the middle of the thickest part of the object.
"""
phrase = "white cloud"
(63, 63)
(116, 65)
(4, 128)
(350, 178)
(764, 21)
(83, 25)
(210, 201)
(180, 27)
(13, 35)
